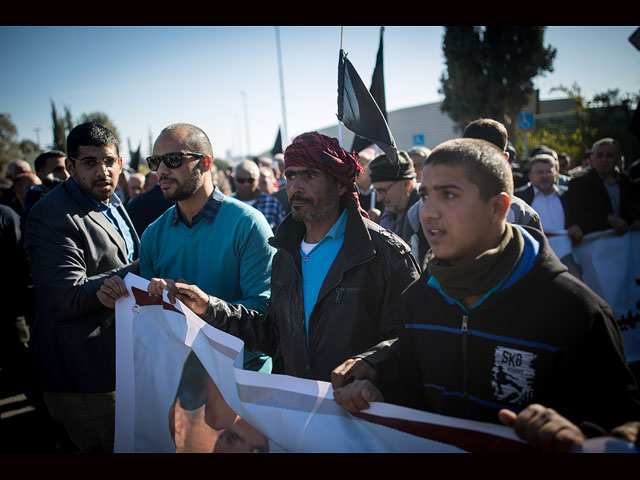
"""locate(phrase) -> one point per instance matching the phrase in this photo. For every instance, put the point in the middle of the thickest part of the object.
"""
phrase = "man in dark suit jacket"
(603, 196)
(147, 207)
(76, 236)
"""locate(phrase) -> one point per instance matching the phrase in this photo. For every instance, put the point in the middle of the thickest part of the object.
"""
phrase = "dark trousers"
(89, 418)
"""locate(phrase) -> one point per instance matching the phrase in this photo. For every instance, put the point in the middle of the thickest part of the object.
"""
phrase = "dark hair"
(483, 163)
(544, 149)
(90, 134)
(41, 160)
(489, 130)
(196, 141)
(192, 386)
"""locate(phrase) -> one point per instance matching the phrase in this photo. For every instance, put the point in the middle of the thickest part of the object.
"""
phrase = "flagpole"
(339, 122)
(284, 110)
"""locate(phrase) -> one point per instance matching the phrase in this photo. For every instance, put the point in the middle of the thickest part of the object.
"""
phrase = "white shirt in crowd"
(549, 208)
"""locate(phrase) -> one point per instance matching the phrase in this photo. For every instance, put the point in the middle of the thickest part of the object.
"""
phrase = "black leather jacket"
(355, 309)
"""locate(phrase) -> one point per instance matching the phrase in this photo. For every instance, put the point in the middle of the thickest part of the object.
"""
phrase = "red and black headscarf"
(314, 150)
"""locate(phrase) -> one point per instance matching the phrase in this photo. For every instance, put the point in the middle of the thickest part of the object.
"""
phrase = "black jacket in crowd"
(588, 203)
(355, 307)
(546, 339)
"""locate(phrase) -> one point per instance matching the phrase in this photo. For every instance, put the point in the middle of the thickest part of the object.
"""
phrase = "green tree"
(490, 71)
(29, 150)
(151, 142)
(9, 146)
(60, 129)
(607, 114)
(63, 125)
(102, 118)
(69, 124)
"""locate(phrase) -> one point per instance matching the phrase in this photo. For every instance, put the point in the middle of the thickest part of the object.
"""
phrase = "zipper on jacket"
(464, 329)
(307, 331)
(339, 294)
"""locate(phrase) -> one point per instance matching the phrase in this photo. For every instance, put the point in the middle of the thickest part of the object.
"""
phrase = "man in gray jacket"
(76, 236)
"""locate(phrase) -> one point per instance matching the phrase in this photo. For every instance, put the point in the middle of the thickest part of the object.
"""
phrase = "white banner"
(180, 383)
(611, 268)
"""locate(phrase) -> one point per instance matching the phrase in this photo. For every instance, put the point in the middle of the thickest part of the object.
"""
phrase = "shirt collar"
(338, 228)
(536, 191)
(367, 191)
(207, 213)
(336, 231)
(114, 200)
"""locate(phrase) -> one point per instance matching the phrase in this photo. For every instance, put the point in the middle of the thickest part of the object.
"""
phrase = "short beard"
(319, 213)
(186, 189)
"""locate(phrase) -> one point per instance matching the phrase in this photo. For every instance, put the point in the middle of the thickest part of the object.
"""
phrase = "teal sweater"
(229, 258)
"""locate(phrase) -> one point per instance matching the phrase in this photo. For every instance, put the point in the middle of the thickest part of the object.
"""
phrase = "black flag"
(359, 112)
(134, 157)
(377, 92)
(277, 147)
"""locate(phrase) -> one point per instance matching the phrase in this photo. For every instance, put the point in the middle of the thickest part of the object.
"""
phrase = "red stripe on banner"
(471, 441)
(143, 299)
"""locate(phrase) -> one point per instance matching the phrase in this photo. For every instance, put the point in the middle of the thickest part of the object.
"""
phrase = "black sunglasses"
(171, 160)
(244, 180)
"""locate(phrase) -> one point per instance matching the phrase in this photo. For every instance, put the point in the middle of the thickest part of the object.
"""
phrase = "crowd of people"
(411, 282)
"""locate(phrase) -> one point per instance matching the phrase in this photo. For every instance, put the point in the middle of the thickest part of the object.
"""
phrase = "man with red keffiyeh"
(334, 279)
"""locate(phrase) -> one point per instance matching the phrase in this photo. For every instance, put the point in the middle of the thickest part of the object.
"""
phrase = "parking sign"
(418, 139)
(526, 121)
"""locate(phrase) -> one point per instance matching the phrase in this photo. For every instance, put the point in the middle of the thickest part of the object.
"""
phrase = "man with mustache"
(75, 236)
(207, 238)
(335, 277)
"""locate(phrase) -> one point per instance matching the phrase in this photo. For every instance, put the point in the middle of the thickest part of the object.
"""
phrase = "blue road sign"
(526, 121)
(418, 139)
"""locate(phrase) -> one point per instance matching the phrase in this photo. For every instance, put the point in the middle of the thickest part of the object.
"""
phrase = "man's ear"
(68, 163)
(500, 206)
(206, 163)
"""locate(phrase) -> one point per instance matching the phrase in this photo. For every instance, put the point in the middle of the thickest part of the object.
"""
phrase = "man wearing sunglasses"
(246, 178)
(336, 275)
(207, 238)
(76, 236)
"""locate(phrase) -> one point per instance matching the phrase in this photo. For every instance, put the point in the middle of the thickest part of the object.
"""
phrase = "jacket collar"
(544, 267)
(595, 176)
(88, 205)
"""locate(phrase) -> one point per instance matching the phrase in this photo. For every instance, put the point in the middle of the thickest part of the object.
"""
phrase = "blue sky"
(226, 79)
